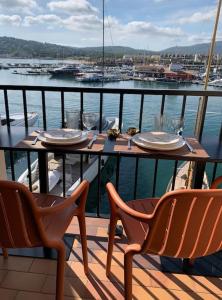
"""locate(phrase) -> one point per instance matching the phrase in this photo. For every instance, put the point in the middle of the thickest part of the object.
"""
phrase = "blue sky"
(145, 24)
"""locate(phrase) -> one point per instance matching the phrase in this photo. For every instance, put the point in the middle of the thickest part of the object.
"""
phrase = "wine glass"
(177, 125)
(72, 119)
(162, 123)
(90, 120)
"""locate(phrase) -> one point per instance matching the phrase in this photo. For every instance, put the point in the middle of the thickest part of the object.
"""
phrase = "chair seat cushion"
(136, 230)
(55, 224)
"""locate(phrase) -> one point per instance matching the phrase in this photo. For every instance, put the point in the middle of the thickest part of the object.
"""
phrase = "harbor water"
(131, 109)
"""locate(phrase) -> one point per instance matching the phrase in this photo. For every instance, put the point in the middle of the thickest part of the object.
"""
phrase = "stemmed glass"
(177, 125)
(90, 120)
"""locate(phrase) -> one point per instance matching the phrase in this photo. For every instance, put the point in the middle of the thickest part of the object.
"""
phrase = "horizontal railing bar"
(113, 90)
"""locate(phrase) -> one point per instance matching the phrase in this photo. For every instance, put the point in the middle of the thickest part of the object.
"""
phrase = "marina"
(93, 72)
(131, 104)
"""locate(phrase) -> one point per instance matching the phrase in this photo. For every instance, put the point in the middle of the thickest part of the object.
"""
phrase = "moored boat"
(18, 119)
(72, 166)
(184, 177)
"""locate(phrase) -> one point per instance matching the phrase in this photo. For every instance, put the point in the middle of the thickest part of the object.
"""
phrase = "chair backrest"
(187, 224)
(18, 216)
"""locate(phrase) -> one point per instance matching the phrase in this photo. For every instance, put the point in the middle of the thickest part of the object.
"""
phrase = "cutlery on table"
(129, 143)
(35, 140)
(92, 141)
(188, 146)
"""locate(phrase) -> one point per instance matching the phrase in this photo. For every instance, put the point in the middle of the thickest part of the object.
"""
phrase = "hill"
(197, 48)
(18, 48)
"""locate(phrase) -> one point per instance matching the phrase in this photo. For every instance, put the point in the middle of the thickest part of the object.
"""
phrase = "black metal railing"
(183, 95)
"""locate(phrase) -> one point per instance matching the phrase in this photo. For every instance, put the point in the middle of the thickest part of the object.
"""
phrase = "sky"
(141, 24)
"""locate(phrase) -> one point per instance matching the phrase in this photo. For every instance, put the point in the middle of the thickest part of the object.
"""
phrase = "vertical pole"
(103, 40)
(203, 100)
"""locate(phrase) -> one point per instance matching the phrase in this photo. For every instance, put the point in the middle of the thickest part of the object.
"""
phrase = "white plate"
(164, 147)
(64, 134)
(83, 138)
(159, 138)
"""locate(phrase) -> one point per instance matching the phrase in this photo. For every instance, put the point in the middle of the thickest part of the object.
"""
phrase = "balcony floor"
(28, 278)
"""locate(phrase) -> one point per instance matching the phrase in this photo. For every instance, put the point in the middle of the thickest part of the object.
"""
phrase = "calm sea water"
(130, 118)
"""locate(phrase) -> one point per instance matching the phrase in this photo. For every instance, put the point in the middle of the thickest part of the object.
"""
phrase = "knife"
(35, 140)
(189, 146)
(92, 141)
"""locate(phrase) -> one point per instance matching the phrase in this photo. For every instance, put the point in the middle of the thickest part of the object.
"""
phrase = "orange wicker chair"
(182, 223)
(32, 220)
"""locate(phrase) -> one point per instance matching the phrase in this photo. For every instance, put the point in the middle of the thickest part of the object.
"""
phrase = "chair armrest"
(81, 191)
(216, 182)
(115, 199)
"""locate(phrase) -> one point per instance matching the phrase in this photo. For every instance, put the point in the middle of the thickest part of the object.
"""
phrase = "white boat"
(65, 70)
(216, 82)
(53, 176)
(18, 119)
(183, 178)
(72, 166)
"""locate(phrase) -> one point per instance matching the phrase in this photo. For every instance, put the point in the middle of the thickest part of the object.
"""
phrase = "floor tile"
(23, 281)
(6, 294)
(74, 287)
(15, 263)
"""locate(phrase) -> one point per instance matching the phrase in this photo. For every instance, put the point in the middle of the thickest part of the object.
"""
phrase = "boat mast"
(203, 100)
(103, 58)
(212, 45)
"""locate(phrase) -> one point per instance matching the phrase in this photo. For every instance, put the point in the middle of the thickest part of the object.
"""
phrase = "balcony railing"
(133, 107)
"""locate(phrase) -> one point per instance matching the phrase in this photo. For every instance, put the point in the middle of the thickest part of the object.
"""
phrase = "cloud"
(147, 28)
(10, 20)
(72, 7)
(22, 5)
(83, 23)
(51, 20)
(91, 24)
(197, 17)
(87, 23)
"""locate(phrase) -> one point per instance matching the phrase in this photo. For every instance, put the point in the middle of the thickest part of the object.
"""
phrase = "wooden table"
(20, 139)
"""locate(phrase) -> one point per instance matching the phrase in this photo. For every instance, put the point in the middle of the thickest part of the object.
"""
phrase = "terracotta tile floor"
(34, 279)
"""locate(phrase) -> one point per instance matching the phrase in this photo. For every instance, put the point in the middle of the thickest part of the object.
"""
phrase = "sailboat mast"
(212, 45)
(103, 38)
(202, 107)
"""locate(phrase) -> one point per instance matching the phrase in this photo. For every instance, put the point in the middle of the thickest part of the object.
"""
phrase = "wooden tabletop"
(18, 138)
(121, 146)
(97, 146)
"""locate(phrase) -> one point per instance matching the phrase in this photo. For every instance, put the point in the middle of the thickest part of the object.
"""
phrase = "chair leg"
(82, 228)
(5, 252)
(128, 259)
(60, 274)
(112, 228)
